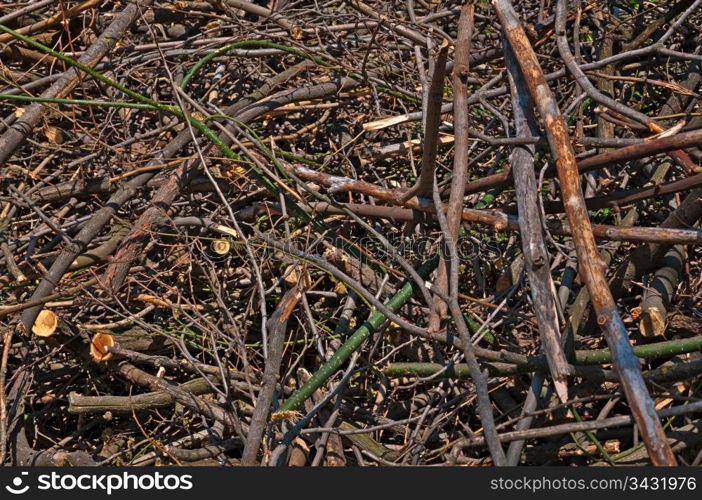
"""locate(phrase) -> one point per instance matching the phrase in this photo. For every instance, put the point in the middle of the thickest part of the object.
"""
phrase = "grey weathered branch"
(591, 267)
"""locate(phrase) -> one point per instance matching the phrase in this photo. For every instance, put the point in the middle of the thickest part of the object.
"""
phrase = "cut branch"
(538, 263)
(591, 266)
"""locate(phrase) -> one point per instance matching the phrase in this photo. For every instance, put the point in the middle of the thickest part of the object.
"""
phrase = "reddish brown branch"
(460, 158)
(621, 155)
(591, 266)
(500, 220)
(425, 182)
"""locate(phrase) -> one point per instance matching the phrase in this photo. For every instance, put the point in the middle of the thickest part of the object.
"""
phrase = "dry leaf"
(286, 415)
(295, 274)
(55, 135)
(340, 288)
(635, 313)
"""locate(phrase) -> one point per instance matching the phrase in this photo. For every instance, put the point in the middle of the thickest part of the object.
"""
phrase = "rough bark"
(538, 265)
(591, 267)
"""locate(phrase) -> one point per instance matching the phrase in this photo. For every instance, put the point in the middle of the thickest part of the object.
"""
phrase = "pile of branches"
(350, 232)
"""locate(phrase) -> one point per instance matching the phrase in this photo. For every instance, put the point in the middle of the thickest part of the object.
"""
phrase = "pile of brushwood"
(348, 232)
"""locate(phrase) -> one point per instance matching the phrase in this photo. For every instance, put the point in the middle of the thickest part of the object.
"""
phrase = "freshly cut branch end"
(220, 247)
(45, 324)
(99, 347)
(652, 323)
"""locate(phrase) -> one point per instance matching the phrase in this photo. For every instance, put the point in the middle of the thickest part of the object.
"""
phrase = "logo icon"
(17, 482)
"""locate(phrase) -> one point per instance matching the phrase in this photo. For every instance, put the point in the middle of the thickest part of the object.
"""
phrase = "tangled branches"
(294, 233)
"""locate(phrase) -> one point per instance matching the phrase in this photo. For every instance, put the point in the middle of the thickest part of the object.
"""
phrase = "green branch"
(80, 102)
(356, 340)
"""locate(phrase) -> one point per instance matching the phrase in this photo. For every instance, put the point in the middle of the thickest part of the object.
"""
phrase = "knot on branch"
(539, 262)
(462, 71)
